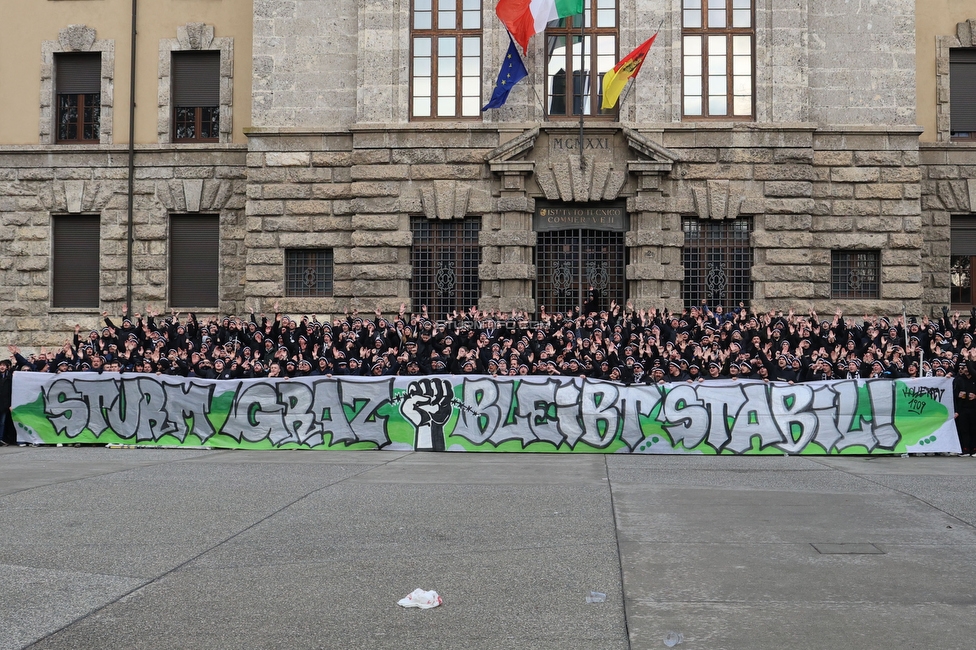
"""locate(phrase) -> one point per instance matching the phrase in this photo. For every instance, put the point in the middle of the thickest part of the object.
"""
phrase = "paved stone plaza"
(140, 548)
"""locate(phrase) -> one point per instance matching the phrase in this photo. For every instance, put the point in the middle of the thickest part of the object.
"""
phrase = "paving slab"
(728, 556)
(490, 601)
(36, 602)
(194, 549)
(298, 550)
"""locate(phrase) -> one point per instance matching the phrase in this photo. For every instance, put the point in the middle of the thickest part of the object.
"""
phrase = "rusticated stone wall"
(36, 183)
(355, 192)
(808, 190)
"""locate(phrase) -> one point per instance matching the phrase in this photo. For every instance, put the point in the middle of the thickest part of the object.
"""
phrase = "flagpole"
(542, 105)
(582, 47)
(620, 102)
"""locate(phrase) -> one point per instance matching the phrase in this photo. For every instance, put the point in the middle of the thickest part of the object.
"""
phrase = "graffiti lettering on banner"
(449, 413)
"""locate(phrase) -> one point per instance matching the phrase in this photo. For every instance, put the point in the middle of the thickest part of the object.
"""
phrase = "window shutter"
(79, 73)
(196, 79)
(194, 246)
(74, 261)
(963, 236)
(962, 89)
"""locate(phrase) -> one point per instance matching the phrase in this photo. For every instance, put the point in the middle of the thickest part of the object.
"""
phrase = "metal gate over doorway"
(569, 260)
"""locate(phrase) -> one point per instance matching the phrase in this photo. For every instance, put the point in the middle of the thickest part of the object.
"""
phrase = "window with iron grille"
(718, 64)
(576, 63)
(196, 96)
(194, 260)
(445, 73)
(962, 93)
(78, 78)
(74, 261)
(445, 258)
(717, 257)
(308, 272)
(855, 274)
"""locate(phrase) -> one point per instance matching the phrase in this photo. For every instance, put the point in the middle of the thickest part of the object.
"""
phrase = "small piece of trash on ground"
(420, 598)
(673, 639)
(596, 597)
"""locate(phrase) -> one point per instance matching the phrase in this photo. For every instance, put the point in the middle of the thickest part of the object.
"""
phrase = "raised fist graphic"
(427, 406)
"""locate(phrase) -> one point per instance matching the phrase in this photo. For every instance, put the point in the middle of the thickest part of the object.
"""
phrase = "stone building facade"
(820, 169)
(49, 178)
(842, 188)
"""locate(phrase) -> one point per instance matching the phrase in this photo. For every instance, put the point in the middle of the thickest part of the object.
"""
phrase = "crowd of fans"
(619, 343)
(616, 343)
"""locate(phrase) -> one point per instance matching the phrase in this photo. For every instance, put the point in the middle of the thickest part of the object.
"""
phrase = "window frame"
(970, 90)
(198, 112)
(80, 101)
(72, 39)
(291, 273)
(425, 255)
(703, 32)
(962, 229)
(67, 283)
(195, 37)
(569, 30)
(195, 275)
(80, 108)
(841, 265)
(729, 240)
(954, 292)
(459, 33)
(197, 121)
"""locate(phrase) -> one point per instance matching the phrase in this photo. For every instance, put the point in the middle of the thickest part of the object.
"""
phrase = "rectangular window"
(194, 261)
(963, 256)
(962, 93)
(74, 261)
(445, 73)
(717, 257)
(445, 258)
(196, 96)
(308, 272)
(78, 81)
(855, 274)
(961, 280)
(717, 67)
(577, 62)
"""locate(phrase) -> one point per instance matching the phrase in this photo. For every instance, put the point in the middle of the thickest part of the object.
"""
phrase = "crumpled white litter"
(420, 598)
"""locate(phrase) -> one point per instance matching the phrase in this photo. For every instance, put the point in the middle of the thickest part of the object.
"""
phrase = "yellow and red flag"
(614, 81)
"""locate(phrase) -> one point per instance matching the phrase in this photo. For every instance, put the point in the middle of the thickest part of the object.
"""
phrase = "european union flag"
(513, 71)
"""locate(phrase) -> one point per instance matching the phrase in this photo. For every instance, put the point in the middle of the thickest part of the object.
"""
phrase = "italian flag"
(526, 18)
